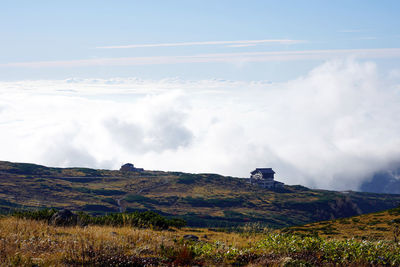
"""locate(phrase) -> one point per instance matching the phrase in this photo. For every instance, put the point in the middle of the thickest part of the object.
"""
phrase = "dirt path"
(120, 208)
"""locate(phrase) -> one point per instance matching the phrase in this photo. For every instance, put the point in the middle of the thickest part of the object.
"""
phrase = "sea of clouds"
(331, 128)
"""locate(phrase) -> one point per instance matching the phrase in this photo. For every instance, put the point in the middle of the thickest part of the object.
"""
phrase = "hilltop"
(200, 199)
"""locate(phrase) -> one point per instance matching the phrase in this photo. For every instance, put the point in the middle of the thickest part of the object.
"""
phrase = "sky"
(309, 88)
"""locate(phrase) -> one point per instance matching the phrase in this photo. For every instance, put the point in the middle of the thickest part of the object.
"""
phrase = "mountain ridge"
(202, 199)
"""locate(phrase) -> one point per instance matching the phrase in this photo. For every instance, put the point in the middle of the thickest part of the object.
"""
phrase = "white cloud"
(164, 130)
(331, 128)
(232, 58)
(240, 42)
(241, 45)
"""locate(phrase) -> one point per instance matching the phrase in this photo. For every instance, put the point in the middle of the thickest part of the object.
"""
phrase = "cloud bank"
(331, 128)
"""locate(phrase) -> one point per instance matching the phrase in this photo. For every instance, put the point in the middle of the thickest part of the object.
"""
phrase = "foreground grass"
(34, 243)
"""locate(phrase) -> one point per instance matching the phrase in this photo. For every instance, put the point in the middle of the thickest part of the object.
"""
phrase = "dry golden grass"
(373, 226)
(32, 243)
(26, 242)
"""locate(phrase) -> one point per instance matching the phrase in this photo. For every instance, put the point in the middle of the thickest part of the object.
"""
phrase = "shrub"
(186, 179)
(104, 192)
(38, 215)
(29, 169)
(146, 219)
(98, 208)
(213, 202)
(140, 199)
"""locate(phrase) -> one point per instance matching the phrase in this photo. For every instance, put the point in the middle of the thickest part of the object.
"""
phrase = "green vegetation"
(38, 215)
(147, 219)
(186, 178)
(298, 251)
(29, 169)
(103, 192)
(132, 198)
(382, 225)
(213, 202)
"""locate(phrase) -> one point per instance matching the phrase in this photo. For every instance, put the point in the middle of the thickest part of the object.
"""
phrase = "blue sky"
(37, 31)
(309, 88)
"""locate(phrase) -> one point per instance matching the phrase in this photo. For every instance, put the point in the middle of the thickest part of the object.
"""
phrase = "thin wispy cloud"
(241, 57)
(241, 42)
(352, 30)
(241, 45)
(366, 38)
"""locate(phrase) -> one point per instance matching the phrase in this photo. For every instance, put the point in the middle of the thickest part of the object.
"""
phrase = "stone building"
(264, 177)
(129, 167)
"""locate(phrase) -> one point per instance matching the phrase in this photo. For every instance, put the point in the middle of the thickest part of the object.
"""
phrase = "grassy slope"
(374, 226)
(28, 243)
(202, 199)
(33, 243)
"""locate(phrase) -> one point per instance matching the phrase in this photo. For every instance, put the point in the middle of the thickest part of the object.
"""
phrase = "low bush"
(213, 202)
(98, 208)
(104, 192)
(186, 178)
(288, 250)
(38, 215)
(29, 169)
(140, 199)
(146, 219)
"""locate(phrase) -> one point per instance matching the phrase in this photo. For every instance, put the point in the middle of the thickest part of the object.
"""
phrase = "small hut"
(264, 177)
(129, 167)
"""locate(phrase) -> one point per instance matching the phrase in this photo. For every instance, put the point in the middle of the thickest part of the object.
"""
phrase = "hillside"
(383, 225)
(201, 199)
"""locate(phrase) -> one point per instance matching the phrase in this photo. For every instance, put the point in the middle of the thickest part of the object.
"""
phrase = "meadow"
(138, 218)
(27, 242)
